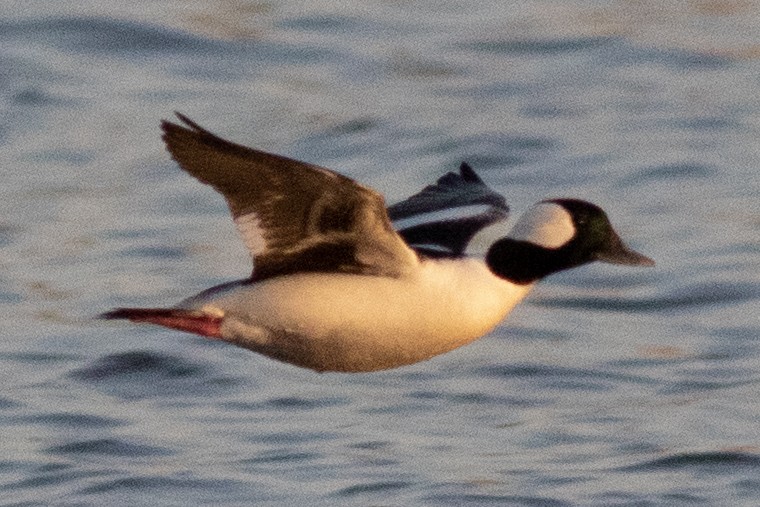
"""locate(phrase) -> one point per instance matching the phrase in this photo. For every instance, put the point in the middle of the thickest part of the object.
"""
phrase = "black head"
(559, 234)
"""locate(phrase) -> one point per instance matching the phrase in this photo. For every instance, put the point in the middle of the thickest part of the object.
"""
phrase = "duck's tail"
(175, 318)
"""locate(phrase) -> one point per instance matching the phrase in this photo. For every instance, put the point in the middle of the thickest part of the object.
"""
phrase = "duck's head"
(559, 234)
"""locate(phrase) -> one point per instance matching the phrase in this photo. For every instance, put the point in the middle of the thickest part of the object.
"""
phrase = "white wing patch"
(440, 215)
(546, 224)
(252, 232)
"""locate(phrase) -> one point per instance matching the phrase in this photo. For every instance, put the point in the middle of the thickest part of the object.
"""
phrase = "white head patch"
(546, 224)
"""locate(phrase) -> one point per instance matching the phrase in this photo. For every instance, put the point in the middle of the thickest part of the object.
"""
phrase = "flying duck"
(335, 287)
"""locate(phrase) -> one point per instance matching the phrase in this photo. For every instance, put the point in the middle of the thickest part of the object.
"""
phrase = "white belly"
(361, 323)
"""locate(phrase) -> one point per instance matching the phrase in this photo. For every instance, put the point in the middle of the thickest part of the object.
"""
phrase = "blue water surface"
(608, 386)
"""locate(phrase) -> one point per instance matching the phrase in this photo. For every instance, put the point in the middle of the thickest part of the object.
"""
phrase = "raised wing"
(447, 237)
(293, 217)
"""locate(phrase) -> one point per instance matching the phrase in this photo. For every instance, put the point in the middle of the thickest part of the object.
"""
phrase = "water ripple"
(54, 474)
(295, 437)
(8, 233)
(374, 487)
(567, 378)
(660, 174)
(279, 456)
(475, 499)
(155, 252)
(707, 294)
(137, 362)
(110, 447)
(163, 484)
(477, 398)
(6, 403)
(495, 150)
(333, 24)
(101, 35)
(539, 46)
(297, 402)
(73, 420)
(717, 461)
(140, 374)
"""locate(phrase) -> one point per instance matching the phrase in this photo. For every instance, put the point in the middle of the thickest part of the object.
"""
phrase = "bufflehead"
(335, 287)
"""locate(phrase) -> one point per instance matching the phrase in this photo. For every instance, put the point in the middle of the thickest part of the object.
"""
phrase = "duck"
(336, 286)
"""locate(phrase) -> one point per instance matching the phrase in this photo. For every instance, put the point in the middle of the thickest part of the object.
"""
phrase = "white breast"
(362, 323)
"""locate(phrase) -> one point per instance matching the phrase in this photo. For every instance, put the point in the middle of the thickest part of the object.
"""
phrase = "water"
(608, 386)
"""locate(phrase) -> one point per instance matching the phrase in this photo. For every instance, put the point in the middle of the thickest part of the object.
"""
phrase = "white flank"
(546, 224)
(347, 322)
(250, 229)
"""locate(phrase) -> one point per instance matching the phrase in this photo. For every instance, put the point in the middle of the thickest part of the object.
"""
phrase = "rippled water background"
(608, 386)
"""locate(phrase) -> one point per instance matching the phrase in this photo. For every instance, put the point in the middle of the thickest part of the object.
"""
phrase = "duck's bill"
(618, 253)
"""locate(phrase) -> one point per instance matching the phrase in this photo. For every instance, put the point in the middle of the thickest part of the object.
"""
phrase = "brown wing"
(293, 216)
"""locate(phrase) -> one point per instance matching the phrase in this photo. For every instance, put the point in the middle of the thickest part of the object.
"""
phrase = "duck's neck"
(523, 263)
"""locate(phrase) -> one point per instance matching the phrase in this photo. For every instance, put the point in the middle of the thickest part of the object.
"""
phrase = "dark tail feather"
(174, 318)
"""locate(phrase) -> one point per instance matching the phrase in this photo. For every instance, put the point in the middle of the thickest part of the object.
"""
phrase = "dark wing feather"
(449, 237)
(452, 190)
